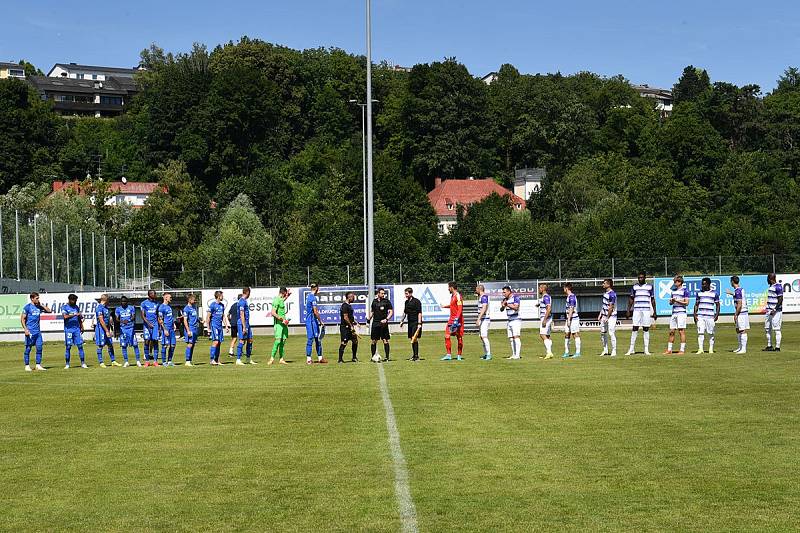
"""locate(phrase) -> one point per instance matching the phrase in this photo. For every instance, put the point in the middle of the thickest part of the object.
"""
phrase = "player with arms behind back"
(706, 313)
(103, 335)
(151, 330)
(572, 327)
(215, 323)
(546, 319)
(608, 319)
(642, 305)
(741, 316)
(455, 325)
(126, 316)
(347, 327)
(73, 329)
(412, 313)
(380, 313)
(191, 323)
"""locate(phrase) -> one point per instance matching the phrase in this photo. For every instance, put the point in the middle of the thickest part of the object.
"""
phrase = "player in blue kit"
(31, 318)
(166, 323)
(150, 328)
(73, 329)
(313, 322)
(215, 323)
(245, 332)
(102, 332)
(190, 327)
(126, 316)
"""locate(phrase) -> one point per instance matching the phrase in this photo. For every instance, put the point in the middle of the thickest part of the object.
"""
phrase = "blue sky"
(647, 42)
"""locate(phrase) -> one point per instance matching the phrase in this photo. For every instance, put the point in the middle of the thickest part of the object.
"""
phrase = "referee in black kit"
(379, 314)
(347, 327)
(412, 312)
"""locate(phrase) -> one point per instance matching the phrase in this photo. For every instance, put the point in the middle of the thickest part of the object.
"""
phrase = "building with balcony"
(447, 195)
(75, 71)
(663, 98)
(11, 70)
(82, 97)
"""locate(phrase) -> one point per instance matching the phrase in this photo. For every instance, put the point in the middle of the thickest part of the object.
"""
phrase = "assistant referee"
(412, 312)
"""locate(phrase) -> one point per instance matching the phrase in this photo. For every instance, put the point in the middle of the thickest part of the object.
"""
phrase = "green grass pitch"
(701, 443)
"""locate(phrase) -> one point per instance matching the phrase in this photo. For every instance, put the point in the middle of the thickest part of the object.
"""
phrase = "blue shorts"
(168, 337)
(101, 339)
(246, 334)
(34, 339)
(312, 329)
(217, 334)
(150, 334)
(191, 336)
(127, 338)
(72, 337)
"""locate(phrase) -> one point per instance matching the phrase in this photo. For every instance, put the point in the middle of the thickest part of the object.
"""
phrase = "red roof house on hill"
(448, 194)
(132, 193)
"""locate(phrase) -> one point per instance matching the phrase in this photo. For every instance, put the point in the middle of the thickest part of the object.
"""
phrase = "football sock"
(604, 340)
(386, 349)
(171, 352)
(276, 346)
(486, 346)
(354, 349)
(700, 341)
(634, 334)
(125, 353)
(188, 354)
(460, 345)
(111, 352)
(448, 345)
(280, 351)
(318, 346)
(27, 355)
(211, 352)
(683, 347)
(646, 341)
(136, 351)
(81, 353)
(373, 348)
(99, 355)
(669, 346)
(613, 342)
(769, 338)
(239, 348)
(164, 353)
(146, 350)
(309, 344)
(744, 342)
(415, 349)
(548, 345)
(518, 347)
(778, 336)
(711, 343)
(249, 349)
(513, 347)
(577, 345)
(341, 352)
(67, 354)
(566, 344)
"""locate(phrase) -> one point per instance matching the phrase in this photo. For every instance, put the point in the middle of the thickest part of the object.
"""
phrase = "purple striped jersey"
(484, 300)
(773, 293)
(609, 299)
(544, 301)
(642, 295)
(739, 296)
(681, 293)
(707, 301)
(572, 303)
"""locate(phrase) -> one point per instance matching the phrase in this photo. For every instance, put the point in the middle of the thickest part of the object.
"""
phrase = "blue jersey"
(165, 313)
(642, 295)
(102, 311)
(738, 296)
(150, 312)
(32, 318)
(217, 312)
(773, 293)
(72, 323)
(126, 317)
(191, 315)
(244, 306)
(680, 293)
(484, 300)
(512, 314)
(707, 304)
(572, 303)
(544, 301)
(609, 299)
(311, 304)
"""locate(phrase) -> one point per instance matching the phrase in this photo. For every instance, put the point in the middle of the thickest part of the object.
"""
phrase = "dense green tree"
(691, 85)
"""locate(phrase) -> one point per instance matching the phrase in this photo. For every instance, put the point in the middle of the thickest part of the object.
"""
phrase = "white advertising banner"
(791, 292)
(528, 293)
(260, 304)
(432, 296)
(87, 303)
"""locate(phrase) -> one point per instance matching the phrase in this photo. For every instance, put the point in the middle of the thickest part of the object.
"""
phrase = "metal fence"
(36, 248)
(472, 272)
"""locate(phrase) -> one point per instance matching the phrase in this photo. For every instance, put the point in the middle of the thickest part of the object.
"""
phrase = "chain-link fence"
(36, 251)
(469, 273)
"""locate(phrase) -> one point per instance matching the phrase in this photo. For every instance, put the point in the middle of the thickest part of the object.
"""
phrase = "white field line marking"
(408, 513)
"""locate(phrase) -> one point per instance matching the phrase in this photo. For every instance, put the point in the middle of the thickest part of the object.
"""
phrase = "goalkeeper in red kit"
(455, 326)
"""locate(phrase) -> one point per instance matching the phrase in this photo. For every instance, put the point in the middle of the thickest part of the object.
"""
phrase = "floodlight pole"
(370, 203)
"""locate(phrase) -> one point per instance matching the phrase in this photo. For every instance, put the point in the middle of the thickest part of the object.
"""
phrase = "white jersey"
(707, 304)
(642, 295)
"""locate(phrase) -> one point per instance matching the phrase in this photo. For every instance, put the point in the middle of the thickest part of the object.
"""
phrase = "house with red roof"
(134, 194)
(447, 195)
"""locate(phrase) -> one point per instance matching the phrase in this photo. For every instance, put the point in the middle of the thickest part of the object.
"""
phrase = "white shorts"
(705, 325)
(677, 321)
(743, 322)
(573, 326)
(485, 323)
(514, 328)
(642, 318)
(774, 321)
(608, 325)
(546, 328)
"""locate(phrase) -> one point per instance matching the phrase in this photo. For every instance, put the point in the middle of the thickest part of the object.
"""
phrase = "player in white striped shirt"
(679, 300)
(774, 312)
(642, 305)
(741, 316)
(608, 319)
(706, 313)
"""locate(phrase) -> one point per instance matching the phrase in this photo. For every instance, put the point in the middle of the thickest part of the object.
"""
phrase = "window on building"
(17, 73)
(79, 75)
(111, 100)
(449, 207)
(94, 76)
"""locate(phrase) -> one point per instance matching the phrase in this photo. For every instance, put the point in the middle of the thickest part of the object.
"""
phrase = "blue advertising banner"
(755, 289)
(330, 300)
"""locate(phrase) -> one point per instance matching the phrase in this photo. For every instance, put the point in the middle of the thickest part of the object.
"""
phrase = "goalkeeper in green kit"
(278, 313)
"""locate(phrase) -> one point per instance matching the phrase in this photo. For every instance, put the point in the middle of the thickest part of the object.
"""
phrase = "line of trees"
(259, 152)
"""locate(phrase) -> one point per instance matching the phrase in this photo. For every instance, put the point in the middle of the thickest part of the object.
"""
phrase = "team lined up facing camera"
(160, 326)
